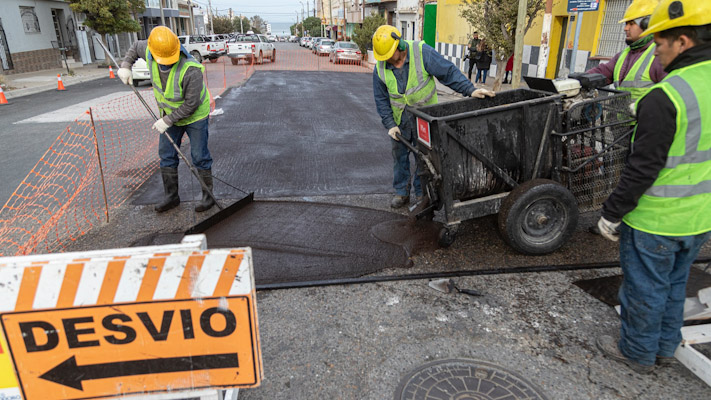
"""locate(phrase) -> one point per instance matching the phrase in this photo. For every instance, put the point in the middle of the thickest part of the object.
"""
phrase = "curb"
(15, 93)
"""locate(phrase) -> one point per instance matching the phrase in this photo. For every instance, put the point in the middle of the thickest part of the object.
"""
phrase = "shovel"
(448, 286)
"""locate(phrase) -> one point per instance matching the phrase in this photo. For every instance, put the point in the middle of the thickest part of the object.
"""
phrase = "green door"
(430, 24)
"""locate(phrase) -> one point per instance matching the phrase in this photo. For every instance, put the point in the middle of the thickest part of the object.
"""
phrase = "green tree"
(258, 24)
(109, 16)
(495, 20)
(223, 24)
(312, 26)
(363, 35)
(246, 24)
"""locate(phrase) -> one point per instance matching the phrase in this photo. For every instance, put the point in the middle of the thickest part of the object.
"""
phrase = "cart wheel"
(446, 237)
(538, 217)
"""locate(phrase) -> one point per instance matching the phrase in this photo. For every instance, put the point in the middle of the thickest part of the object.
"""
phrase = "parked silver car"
(345, 51)
(323, 48)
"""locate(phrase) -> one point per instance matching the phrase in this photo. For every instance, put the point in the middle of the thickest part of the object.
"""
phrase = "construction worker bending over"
(635, 69)
(660, 210)
(184, 104)
(404, 75)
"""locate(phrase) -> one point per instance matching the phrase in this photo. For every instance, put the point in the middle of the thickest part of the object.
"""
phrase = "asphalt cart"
(536, 158)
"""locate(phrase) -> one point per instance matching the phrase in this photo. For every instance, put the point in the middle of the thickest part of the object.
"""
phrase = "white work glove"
(126, 76)
(481, 93)
(609, 230)
(161, 126)
(393, 132)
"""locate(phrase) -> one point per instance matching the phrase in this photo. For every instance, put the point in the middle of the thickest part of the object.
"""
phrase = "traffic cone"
(3, 100)
(111, 73)
(60, 84)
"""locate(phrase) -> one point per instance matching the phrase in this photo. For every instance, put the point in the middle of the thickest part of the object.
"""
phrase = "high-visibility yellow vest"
(171, 97)
(679, 201)
(421, 88)
(637, 81)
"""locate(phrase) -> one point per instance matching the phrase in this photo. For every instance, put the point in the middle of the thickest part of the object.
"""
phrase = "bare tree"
(495, 21)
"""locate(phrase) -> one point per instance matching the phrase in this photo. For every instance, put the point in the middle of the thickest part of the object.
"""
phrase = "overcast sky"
(270, 10)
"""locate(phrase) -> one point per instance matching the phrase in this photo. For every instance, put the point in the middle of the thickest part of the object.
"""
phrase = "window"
(29, 20)
(612, 34)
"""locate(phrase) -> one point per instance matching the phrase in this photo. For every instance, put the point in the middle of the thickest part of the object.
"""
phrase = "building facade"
(32, 32)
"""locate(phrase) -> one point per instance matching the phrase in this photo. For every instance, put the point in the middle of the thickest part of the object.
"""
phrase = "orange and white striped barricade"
(163, 322)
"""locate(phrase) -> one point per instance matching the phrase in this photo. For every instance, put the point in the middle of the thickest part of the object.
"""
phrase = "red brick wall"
(38, 60)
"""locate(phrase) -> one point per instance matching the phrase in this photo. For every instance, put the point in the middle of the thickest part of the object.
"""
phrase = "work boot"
(207, 202)
(608, 347)
(170, 187)
(399, 201)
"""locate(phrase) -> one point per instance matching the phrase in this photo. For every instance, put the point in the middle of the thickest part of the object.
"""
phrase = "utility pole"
(162, 17)
(518, 49)
(241, 28)
(344, 20)
(209, 13)
(314, 8)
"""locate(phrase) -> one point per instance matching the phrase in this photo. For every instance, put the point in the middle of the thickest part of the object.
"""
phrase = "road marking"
(73, 112)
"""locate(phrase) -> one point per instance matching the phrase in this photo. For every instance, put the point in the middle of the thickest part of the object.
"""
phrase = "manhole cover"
(458, 379)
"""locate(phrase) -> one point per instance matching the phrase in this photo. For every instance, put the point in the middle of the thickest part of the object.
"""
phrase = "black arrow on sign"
(68, 373)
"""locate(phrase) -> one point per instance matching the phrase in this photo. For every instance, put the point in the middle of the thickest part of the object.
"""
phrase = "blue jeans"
(401, 161)
(653, 290)
(481, 73)
(197, 133)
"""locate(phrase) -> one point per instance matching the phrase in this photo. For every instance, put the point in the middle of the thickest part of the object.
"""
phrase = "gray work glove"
(609, 230)
(393, 132)
(126, 76)
(481, 93)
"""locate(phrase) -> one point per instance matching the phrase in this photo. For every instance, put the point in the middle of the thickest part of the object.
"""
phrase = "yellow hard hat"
(164, 45)
(639, 9)
(675, 13)
(384, 42)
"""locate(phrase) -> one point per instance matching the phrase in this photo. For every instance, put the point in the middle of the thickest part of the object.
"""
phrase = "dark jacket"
(483, 59)
(656, 126)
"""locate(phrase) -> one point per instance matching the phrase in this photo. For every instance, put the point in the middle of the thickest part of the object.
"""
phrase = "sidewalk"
(17, 85)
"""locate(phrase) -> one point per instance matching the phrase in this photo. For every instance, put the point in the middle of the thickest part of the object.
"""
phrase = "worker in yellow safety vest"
(404, 76)
(635, 69)
(184, 103)
(660, 211)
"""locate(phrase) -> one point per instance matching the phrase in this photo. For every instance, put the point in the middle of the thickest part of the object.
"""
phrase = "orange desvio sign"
(108, 350)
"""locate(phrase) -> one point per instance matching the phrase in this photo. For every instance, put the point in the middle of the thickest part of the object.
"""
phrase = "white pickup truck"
(250, 48)
(200, 47)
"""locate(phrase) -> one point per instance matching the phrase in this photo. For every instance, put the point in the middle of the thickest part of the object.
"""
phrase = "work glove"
(393, 132)
(609, 230)
(481, 93)
(161, 126)
(126, 76)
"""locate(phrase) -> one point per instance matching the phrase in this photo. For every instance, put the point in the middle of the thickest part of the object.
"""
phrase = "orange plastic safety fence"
(62, 197)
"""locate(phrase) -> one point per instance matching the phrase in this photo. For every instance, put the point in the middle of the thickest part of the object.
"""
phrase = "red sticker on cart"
(423, 132)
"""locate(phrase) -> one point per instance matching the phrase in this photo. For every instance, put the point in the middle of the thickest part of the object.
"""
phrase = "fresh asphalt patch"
(286, 133)
(304, 241)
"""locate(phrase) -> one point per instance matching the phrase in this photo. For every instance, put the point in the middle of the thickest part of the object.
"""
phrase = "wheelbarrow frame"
(541, 153)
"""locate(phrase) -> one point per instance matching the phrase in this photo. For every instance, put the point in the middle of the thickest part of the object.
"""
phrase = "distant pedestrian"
(483, 62)
(471, 52)
(509, 68)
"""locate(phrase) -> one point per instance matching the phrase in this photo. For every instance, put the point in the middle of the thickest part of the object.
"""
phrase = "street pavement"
(360, 341)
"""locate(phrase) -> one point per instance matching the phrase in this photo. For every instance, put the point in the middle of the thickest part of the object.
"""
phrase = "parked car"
(140, 72)
(324, 47)
(195, 45)
(216, 46)
(304, 41)
(345, 51)
(250, 46)
(315, 43)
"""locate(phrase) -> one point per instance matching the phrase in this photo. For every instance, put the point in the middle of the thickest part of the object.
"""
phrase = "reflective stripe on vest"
(421, 88)
(171, 97)
(637, 81)
(679, 201)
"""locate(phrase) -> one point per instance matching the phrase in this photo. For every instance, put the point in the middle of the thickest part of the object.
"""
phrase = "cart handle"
(436, 177)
